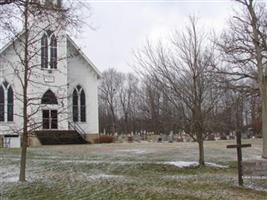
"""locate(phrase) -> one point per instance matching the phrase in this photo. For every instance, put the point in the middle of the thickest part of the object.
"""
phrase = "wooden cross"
(239, 147)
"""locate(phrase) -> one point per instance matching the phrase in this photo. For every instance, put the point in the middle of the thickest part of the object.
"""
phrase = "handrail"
(78, 128)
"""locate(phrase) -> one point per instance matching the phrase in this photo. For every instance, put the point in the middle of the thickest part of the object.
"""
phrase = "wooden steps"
(59, 137)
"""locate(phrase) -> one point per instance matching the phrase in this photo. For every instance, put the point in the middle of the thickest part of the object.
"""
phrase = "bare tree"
(244, 46)
(109, 88)
(184, 74)
(127, 92)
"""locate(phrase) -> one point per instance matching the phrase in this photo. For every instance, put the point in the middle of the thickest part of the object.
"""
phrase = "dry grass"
(127, 171)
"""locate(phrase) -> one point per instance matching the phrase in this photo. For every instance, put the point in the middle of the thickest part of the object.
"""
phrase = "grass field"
(129, 171)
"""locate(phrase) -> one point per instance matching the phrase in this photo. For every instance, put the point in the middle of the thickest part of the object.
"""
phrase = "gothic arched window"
(49, 98)
(6, 104)
(2, 104)
(53, 52)
(10, 104)
(75, 106)
(82, 106)
(79, 104)
(44, 51)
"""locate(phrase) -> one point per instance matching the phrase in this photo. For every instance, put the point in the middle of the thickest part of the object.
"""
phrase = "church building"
(62, 88)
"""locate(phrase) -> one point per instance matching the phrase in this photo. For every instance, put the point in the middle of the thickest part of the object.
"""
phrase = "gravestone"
(171, 137)
(137, 138)
(159, 139)
(223, 137)
(130, 139)
(255, 168)
(164, 137)
(211, 137)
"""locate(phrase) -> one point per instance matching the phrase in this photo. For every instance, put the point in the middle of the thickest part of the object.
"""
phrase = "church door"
(50, 119)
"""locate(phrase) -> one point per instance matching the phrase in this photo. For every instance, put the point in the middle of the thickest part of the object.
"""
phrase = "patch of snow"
(257, 188)
(183, 164)
(103, 176)
(10, 179)
(255, 177)
(257, 158)
(9, 175)
(135, 151)
(216, 165)
(184, 177)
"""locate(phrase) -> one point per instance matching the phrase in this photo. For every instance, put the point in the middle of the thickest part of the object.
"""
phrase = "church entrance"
(50, 119)
(50, 112)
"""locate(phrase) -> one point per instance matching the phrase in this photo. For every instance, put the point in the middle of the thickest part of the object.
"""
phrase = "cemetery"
(137, 170)
(170, 107)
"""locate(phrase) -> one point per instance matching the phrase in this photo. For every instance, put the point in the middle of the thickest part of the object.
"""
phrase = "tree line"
(196, 82)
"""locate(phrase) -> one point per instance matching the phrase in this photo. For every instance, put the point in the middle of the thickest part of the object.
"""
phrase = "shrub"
(104, 139)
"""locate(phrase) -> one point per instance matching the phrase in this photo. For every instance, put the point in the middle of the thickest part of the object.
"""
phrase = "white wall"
(40, 82)
(81, 73)
(9, 61)
(70, 72)
(11, 142)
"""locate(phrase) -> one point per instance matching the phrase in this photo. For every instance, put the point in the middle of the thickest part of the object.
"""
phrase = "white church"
(62, 88)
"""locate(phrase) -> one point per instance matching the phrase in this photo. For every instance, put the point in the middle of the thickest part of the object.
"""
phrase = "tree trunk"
(261, 73)
(264, 122)
(22, 175)
(201, 152)
(24, 143)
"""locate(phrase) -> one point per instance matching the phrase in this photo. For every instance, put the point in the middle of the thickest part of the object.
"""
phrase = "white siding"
(81, 73)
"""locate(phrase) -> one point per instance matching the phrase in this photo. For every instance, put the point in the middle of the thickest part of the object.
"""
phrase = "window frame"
(49, 98)
(44, 51)
(53, 52)
(79, 114)
(10, 104)
(49, 51)
(2, 103)
(7, 104)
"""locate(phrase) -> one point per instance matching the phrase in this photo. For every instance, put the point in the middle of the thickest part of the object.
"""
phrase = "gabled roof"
(84, 56)
(69, 39)
(14, 39)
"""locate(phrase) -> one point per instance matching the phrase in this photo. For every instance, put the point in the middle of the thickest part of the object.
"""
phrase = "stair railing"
(77, 128)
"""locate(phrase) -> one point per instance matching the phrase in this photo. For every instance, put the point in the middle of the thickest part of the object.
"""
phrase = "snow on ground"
(104, 176)
(255, 177)
(184, 164)
(257, 188)
(9, 174)
(216, 165)
(105, 170)
(134, 151)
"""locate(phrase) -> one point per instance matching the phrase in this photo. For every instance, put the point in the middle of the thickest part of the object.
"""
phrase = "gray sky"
(123, 26)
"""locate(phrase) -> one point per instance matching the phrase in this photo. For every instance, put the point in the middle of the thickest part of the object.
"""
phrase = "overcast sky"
(124, 26)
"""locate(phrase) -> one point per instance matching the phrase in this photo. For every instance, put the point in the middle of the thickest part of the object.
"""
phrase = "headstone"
(255, 168)
(211, 137)
(231, 137)
(223, 137)
(130, 139)
(171, 137)
(164, 137)
(137, 138)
